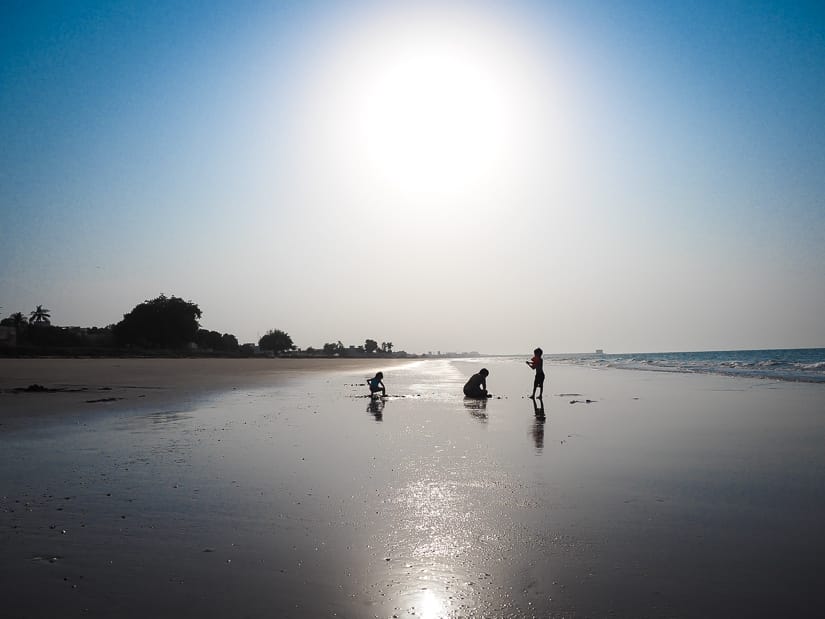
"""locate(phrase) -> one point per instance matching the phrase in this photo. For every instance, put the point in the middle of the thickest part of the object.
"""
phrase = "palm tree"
(18, 318)
(389, 347)
(40, 315)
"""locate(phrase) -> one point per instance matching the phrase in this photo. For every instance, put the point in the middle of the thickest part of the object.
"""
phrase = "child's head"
(380, 375)
(538, 352)
(484, 372)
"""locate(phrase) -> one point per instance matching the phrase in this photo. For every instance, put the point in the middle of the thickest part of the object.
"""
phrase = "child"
(476, 386)
(537, 363)
(376, 384)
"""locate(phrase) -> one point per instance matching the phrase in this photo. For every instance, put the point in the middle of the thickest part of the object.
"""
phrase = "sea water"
(788, 364)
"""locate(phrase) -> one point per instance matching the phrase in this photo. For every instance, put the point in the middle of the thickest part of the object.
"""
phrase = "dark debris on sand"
(35, 388)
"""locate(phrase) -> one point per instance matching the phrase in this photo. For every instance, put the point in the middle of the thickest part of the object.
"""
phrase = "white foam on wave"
(806, 365)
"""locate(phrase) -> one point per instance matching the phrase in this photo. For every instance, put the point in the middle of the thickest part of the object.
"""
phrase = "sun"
(433, 118)
(429, 104)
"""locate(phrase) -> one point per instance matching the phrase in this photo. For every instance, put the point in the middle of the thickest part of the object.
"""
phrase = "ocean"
(787, 364)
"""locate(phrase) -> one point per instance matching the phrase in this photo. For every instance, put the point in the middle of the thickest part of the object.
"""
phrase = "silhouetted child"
(537, 363)
(476, 386)
(376, 384)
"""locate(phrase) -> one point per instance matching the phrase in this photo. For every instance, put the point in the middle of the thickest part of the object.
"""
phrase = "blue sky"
(487, 176)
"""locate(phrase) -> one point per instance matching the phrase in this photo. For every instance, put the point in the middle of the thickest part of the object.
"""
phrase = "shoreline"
(93, 385)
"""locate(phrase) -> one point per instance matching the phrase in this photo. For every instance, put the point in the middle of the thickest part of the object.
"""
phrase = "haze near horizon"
(445, 175)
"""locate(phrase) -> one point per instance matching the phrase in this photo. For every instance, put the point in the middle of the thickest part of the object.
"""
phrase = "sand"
(293, 495)
(91, 385)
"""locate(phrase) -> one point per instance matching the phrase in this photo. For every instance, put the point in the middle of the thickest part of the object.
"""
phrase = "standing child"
(537, 363)
(376, 384)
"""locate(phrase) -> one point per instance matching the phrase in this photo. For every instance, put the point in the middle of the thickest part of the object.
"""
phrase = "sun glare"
(430, 606)
(432, 105)
(433, 117)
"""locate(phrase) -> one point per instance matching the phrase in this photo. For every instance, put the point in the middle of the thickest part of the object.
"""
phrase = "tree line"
(163, 323)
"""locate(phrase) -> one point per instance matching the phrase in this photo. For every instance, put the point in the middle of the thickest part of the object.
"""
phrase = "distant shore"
(32, 388)
(41, 352)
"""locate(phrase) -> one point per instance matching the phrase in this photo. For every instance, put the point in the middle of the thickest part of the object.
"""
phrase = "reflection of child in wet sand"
(476, 386)
(376, 407)
(538, 423)
(376, 384)
(537, 363)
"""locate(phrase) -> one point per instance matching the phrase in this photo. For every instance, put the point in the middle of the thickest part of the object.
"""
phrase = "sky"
(490, 176)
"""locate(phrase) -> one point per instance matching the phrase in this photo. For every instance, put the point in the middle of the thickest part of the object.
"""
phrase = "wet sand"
(665, 496)
(82, 386)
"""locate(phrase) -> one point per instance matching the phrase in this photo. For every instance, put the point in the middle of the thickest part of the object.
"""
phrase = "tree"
(370, 346)
(213, 340)
(389, 347)
(164, 322)
(229, 342)
(16, 320)
(40, 316)
(208, 340)
(276, 341)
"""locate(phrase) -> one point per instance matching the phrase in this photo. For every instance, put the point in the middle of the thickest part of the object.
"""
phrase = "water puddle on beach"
(309, 499)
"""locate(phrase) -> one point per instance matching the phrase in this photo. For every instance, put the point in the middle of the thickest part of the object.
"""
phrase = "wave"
(797, 365)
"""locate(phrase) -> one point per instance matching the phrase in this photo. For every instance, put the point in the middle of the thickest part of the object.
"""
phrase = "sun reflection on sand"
(438, 544)
(442, 529)
(433, 379)
(431, 607)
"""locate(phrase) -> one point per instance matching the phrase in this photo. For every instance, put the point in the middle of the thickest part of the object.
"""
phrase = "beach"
(83, 386)
(260, 488)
